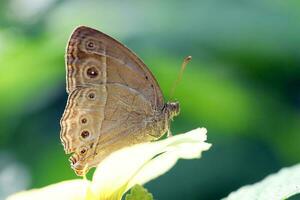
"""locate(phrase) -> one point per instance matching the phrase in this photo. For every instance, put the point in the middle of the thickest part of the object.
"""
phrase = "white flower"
(123, 169)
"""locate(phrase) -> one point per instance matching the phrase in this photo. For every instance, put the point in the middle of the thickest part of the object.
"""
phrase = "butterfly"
(114, 101)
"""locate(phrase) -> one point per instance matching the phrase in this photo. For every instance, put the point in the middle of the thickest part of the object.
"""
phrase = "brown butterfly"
(114, 100)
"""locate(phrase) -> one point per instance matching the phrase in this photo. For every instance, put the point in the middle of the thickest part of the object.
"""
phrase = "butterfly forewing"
(91, 50)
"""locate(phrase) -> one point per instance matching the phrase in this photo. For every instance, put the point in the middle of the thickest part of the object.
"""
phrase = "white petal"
(187, 146)
(126, 167)
(281, 185)
(66, 190)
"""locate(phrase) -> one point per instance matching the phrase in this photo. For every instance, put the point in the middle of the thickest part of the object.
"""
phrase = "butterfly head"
(172, 109)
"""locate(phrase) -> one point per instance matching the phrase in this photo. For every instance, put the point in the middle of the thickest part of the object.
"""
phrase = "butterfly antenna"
(183, 66)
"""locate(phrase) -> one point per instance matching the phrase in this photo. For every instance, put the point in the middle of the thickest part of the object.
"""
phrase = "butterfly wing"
(111, 93)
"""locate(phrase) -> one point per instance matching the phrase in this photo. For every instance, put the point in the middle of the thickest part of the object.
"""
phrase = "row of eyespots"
(84, 134)
(92, 72)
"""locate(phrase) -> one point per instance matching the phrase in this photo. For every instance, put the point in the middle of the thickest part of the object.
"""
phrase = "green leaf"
(138, 192)
(281, 185)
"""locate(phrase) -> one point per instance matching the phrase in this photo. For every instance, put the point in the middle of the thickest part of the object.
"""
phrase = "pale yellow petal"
(126, 167)
(113, 174)
(186, 146)
(66, 190)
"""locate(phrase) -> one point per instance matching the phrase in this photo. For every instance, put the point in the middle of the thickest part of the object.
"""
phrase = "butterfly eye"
(85, 134)
(92, 72)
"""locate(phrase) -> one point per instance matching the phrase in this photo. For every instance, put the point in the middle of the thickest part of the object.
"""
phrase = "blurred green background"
(243, 85)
